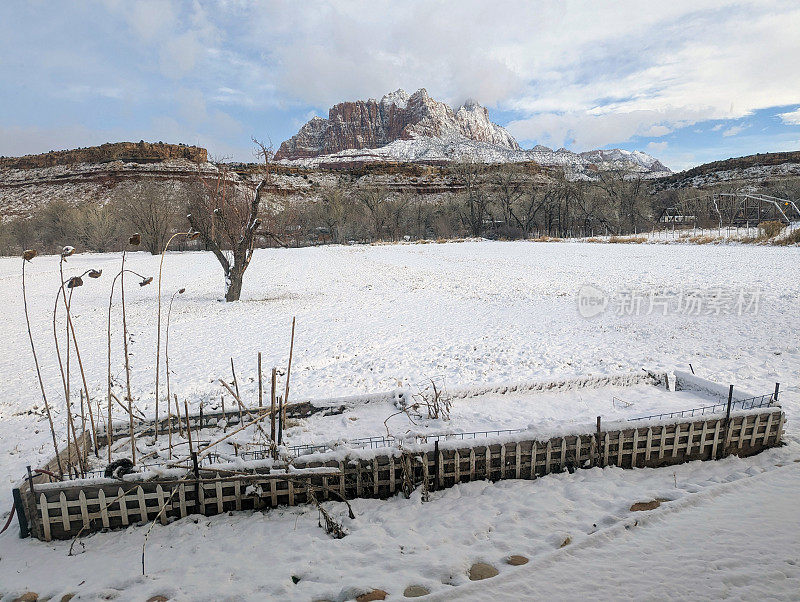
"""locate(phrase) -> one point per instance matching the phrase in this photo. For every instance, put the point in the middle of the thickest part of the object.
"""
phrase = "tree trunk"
(235, 279)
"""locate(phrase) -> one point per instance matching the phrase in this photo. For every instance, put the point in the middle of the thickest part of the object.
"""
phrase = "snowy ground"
(372, 318)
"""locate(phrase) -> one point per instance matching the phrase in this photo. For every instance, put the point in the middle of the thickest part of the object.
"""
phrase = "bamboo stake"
(178, 411)
(288, 371)
(122, 405)
(233, 432)
(241, 405)
(224, 416)
(235, 382)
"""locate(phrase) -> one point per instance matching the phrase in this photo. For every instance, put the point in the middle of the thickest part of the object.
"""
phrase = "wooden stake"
(169, 426)
(598, 456)
(260, 384)
(188, 426)
(280, 420)
(272, 408)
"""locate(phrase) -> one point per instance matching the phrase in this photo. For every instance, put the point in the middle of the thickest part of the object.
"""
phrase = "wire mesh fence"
(759, 401)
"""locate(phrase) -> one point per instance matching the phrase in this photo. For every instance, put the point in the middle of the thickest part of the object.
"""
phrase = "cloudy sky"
(687, 81)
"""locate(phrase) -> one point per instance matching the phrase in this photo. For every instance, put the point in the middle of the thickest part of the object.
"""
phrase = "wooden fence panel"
(62, 512)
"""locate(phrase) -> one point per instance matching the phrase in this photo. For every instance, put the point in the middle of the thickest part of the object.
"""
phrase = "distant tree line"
(501, 202)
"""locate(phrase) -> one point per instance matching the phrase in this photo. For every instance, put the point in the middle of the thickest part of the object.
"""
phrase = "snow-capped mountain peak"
(416, 127)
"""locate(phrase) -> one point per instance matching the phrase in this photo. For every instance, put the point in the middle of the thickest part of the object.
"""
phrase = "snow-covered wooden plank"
(101, 498)
(45, 516)
(518, 459)
(142, 504)
(620, 448)
(502, 460)
(547, 455)
(456, 466)
(392, 486)
(182, 500)
(676, 440)
(122, 500)
(703, 437)
(635, 448)
(716, 439)
(743, 431)
(219, 495)
(754, 436)
(65, 520)
(471, 463)
(84, 508)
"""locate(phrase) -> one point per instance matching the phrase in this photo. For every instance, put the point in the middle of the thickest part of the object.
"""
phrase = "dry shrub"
(770, 229)
(792, 239)
(592, 239)
(702, 239)
(636, 240)
(547, 239)
(433, 396)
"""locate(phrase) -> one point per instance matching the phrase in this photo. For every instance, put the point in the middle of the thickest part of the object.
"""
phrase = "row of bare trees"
(503, 203)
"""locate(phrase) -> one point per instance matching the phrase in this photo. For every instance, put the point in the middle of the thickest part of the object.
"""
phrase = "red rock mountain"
(397, 116)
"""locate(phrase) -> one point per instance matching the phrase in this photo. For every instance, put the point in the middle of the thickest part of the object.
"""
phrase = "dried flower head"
(135, 240)
(95, 273)
(181, 291)
(256, 223)
(192, 235)
(75, 282)
(29, 254)
(146, 281)
(67, 251)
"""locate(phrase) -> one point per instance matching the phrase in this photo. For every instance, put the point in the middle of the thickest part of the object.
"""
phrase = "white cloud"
(594, 74)
(791, 118)
(734, 130)
(569, 72)
(656, 147)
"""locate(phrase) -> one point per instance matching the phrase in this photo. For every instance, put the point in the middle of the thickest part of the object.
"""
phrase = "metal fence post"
(777, 390)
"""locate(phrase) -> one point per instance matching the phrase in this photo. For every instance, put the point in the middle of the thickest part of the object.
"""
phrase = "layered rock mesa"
(127, 152)
(397, 116)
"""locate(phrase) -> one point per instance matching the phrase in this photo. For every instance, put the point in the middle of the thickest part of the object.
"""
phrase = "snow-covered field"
(471, 314)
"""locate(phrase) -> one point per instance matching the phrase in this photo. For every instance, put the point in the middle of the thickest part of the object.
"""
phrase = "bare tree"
(225, 213)
(151, 209)
(474, 198)
(98, 227)
(374, 200)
